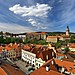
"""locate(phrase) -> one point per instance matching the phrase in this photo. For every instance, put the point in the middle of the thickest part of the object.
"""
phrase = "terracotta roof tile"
(72, 45)
(2, 72)
(66, 64)
(11, 70)
(42, 70)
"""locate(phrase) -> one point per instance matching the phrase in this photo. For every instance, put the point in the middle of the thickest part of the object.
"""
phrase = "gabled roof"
(43, 54)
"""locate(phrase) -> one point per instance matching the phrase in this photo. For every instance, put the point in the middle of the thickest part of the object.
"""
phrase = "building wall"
(28, 57)
(11, 54)
(43, 36)
(39, 63)
(31, 58)
(52, 40)
(3, 54)
(72, 49)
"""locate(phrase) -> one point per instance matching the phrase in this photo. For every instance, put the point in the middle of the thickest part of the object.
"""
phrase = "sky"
(18, 16)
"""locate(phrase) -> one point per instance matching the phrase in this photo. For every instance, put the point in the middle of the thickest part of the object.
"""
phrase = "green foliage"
(1, 39)
(18, 40)
(43, 42)
(35, 41)
(72, 36)
(52, 34)
(26, 41)
(66, 49)
(58, 44)
(71, 40)
(7, 40)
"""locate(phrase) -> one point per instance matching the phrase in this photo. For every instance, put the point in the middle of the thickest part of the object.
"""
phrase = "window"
(47, 57)
(33, 61)
(39, 65)
(36, 63)
(52, 53)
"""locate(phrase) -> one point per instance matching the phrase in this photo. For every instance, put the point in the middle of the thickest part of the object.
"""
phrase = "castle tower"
(67, 31)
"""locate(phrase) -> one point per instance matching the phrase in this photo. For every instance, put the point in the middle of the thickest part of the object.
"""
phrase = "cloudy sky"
(17, 16)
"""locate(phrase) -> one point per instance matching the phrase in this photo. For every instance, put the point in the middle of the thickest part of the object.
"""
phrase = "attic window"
(70, 68)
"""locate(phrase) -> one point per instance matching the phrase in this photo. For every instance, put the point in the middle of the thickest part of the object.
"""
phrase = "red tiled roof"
(66, 64)
(72, 45)
(26, 47)
(8, 48)
(42, 70)
(43, 54)
(11, 70)
(15, 46)
(43, 32)
(2, 72)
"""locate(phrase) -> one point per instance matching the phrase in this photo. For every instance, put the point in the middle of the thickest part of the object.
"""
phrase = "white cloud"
(36, 24)
(32, 21)
(14, 28)
(38, 10)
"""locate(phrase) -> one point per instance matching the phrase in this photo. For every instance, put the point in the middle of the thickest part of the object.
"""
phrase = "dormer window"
(70, 68)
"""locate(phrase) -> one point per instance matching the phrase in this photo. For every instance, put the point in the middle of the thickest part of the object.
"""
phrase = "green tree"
(58, 44)
(66, 49)
(7, 40)
(43, 42)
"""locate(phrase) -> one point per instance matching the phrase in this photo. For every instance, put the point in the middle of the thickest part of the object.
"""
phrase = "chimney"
(47, 68)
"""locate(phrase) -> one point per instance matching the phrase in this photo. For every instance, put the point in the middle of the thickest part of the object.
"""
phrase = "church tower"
(67, 31)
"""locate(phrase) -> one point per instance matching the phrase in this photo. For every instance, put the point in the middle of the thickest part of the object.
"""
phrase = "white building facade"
(31, 58)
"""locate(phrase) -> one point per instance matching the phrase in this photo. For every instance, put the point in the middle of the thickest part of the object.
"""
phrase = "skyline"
(18, 16)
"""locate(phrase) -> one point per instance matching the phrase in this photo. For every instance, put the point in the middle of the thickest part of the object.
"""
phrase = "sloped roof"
(2, 72)
(42, 70)
(66, 64)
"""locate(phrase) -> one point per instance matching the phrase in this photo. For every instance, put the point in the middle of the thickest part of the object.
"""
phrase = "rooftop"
(11, 70)
(42, 70)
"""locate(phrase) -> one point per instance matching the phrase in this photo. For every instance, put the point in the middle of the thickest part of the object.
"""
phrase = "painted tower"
(67, 31)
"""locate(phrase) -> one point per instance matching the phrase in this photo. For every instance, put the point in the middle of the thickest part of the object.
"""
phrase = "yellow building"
(53, 39)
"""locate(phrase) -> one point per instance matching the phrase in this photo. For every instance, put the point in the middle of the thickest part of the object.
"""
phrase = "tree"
(1, 39)
(7, 40)
(66, 49)
(43, 42)
(58, 44)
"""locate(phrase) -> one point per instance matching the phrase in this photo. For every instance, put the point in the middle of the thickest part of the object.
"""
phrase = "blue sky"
(17, 16)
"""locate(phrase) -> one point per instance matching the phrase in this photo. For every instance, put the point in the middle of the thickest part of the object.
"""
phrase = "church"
(63, 37)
